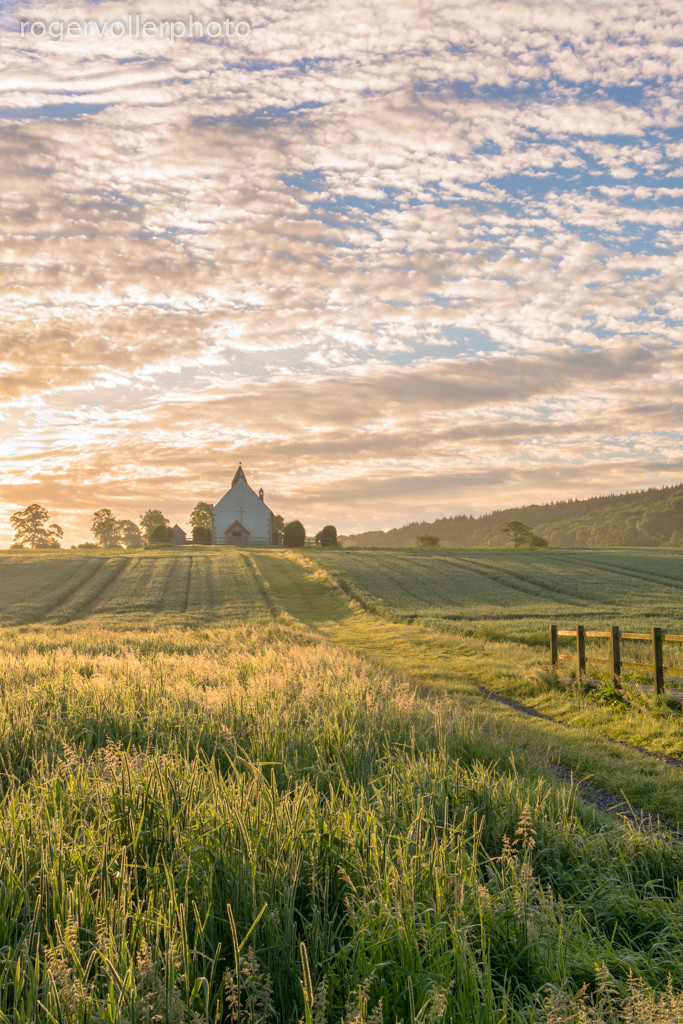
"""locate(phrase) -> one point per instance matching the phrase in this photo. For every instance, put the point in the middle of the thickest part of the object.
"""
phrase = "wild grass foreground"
(249, 824)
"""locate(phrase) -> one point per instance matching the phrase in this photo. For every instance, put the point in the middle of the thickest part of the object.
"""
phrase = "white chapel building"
(242, 517)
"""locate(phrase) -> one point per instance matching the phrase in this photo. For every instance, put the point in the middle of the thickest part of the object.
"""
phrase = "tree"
(295, 535)
(522, 535)
(152, 517)
(279, 523)
(161, 534)
(31, 527)
(201, 516)
(201, 534)
(105, 528)
(129, 533)
(327, 537)
(428, 540)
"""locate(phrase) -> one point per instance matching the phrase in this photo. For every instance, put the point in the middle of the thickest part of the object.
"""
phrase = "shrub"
(295, 535)
(428, 540)
(161, 535)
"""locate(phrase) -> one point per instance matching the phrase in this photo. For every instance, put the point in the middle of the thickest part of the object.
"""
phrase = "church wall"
(243, 505)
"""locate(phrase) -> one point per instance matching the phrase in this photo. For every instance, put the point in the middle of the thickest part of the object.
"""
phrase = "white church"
(242, 517)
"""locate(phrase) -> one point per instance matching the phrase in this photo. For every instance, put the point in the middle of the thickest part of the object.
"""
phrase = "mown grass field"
(515, 594)
(189, 586)
(228, 794)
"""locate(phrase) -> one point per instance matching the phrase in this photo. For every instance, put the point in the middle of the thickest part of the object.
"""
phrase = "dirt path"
(444, 663)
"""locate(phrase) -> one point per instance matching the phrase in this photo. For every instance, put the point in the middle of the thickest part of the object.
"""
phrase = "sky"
(402, 261)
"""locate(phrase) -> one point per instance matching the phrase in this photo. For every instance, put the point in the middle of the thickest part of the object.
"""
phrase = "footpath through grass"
(441, 661)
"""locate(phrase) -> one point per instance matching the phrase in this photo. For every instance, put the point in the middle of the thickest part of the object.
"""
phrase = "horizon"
(404, 264)
(311, 531)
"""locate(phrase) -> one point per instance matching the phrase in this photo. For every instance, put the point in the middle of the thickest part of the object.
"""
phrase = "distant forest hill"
(651, 518)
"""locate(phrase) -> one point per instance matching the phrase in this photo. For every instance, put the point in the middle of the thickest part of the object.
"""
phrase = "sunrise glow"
(402, 262)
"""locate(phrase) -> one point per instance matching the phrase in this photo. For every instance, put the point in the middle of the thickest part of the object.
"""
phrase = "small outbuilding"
(179, 536)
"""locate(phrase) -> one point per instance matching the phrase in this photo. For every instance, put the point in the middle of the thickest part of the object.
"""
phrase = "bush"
(201, 535)
(161, 535)
(295, 535)
(428, 540)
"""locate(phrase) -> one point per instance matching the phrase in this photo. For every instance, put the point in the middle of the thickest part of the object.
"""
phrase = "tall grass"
(251, 825)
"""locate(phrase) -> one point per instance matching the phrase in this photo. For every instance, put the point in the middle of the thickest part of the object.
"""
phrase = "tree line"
(34, 529)
(647, 518)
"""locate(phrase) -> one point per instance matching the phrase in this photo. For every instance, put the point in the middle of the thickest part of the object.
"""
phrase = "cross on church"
(241, 512)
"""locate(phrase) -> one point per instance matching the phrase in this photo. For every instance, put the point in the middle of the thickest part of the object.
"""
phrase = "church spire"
(239, 475)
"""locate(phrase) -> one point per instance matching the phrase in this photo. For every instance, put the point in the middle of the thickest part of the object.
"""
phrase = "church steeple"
(239, 475)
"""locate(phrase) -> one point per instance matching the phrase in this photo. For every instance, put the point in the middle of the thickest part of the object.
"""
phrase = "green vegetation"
(33, 529)
(150, 521)
(223, 799)
(201, 516)
(427, 541)
(652, 518)
(184, 587)
(327, 537)
(514, 595)
(522, 536)
(105, 528)
(129, 534)
(295, 534)
(437, 658)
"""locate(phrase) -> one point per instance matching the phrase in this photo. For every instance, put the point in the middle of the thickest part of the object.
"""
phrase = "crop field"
(189, 586)
(221, 803)
(516, 594)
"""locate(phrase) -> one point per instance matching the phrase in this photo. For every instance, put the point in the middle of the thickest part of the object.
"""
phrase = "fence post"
(616, 655)
(657, 659)
(553, 647)
(580, 653)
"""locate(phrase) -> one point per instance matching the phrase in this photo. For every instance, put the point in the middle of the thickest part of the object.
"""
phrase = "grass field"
(188, 586)
(228, 794)
(515, 594)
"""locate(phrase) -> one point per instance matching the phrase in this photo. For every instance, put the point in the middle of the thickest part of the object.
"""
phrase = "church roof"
(239, 475)
(229, 497)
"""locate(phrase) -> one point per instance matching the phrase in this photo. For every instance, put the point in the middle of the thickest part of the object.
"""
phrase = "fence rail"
(656, 638)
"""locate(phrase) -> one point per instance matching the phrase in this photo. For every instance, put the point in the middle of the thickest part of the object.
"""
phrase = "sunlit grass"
(231, 794)
(165, 792)
(440, 660)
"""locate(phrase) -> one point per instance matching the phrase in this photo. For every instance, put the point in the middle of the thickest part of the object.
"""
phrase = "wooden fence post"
(580, 653)
(616, 655)
(657, 659)
(553, 648)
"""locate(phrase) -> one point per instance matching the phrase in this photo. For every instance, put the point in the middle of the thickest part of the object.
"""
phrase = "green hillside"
(651, 518)
(514, 595)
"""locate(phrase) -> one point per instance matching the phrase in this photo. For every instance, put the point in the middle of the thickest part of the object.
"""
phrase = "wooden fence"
(656, 665)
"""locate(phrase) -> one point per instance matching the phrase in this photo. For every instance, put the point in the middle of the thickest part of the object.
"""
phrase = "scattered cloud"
(400, 262)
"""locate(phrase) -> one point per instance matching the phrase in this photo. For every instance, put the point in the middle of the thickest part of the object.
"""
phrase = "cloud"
(423, 243)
